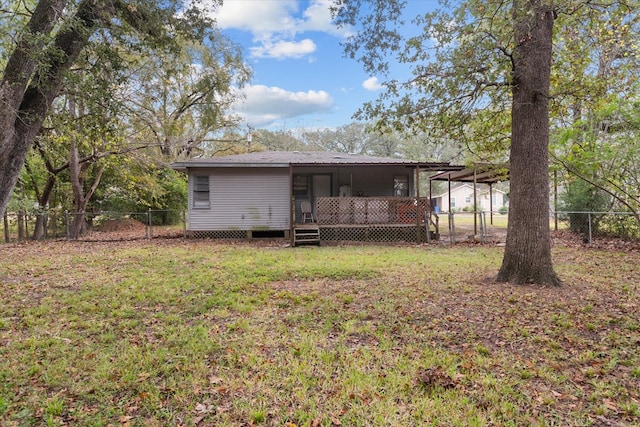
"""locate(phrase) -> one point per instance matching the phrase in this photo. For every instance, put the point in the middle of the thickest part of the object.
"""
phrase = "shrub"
(580, 198)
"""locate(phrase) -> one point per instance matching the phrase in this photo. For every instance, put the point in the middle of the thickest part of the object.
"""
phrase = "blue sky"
(301, 77)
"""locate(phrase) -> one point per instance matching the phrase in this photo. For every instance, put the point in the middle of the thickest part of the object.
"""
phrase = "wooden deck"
(380, 219)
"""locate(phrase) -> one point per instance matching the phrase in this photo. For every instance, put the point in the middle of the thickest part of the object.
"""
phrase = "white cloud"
(276, 24)
(258, 17)
(284, 49)
(317, 17)
(372, 84)
(263, 104)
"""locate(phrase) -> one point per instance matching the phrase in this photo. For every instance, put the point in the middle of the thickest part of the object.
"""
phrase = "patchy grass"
(174, 332)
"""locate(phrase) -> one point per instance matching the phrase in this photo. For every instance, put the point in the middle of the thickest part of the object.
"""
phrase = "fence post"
(20, 225)
(452, 228)
(66, 223)
(590, 231)
(184, 225)
(6, 228)
(482, 216)
(150, 235)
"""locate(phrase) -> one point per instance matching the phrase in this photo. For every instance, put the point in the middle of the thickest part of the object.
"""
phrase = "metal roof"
(482, 174)
(305, 158)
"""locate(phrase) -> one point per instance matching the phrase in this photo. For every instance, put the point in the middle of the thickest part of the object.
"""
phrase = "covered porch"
(379, 215)
(356, 201)
(380, 219)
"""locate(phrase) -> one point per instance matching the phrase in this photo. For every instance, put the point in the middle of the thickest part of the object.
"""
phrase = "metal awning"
(481, 174)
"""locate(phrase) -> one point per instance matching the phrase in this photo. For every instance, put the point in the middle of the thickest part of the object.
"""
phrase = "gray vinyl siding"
(243, 199)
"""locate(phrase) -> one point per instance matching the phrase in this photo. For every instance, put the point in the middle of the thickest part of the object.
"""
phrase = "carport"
(481, 173)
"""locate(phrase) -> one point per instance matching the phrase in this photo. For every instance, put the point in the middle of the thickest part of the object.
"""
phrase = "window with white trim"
(200, 191)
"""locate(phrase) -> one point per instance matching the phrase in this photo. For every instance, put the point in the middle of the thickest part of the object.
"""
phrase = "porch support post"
(475, 203)
(491, 203)
(292, 207)
(449, 194)
(555, 200)
(450, 215)
(418, 207)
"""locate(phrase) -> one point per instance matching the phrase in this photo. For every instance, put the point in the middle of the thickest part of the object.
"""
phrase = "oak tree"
(480, 73)
(46, 41)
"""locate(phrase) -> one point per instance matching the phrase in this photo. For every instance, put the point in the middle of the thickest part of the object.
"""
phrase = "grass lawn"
(184, 333)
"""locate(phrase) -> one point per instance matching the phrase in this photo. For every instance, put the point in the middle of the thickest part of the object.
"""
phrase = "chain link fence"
(93, 226)
(591, 226)
(453, 227)
(468, 226)
(587, 226)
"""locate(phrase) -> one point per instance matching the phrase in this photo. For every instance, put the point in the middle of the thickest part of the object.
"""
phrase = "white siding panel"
(245, 199)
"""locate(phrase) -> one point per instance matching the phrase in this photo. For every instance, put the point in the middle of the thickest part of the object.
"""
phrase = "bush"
(160, 189)
(580, 198)
(620, 226)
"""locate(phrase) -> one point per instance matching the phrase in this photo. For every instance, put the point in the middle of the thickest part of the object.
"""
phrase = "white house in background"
(462, 197)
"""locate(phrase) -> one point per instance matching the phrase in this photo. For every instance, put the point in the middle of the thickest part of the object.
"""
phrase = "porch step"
(308, 233)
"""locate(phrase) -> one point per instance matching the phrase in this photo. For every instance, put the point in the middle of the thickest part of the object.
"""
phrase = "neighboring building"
(261, 194)
(462, 199)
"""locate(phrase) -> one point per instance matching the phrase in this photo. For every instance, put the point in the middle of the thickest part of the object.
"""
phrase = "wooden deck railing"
(371, 210)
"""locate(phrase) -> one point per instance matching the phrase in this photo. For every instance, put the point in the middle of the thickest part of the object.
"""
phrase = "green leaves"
(153, 81)
(602, 148)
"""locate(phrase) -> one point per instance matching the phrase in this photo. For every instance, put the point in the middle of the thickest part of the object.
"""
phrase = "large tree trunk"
(77, 175)
(27, 91)
(527, 256)
(18, 72)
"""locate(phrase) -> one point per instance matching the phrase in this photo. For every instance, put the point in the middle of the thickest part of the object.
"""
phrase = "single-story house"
(309, 195)
(462, 196)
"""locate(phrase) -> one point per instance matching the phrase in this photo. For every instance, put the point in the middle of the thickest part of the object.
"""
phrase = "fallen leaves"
(318, 351)
(433, 377)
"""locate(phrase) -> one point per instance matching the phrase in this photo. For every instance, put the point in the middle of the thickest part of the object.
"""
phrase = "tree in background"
(482, 75)
(131, 185)
(580, 198)
(597, 133)
(276, 141)
(352, 138)
(47, 40)
(147, 99)
(179, 100)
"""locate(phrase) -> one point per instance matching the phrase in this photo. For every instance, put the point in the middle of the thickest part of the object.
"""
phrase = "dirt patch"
(121, 224)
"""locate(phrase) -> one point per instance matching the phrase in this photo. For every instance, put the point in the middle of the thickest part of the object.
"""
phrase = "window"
(401, 186)
(453, 203)
(300, 185)
(494, 200)
(467, 199)
(201, 192)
